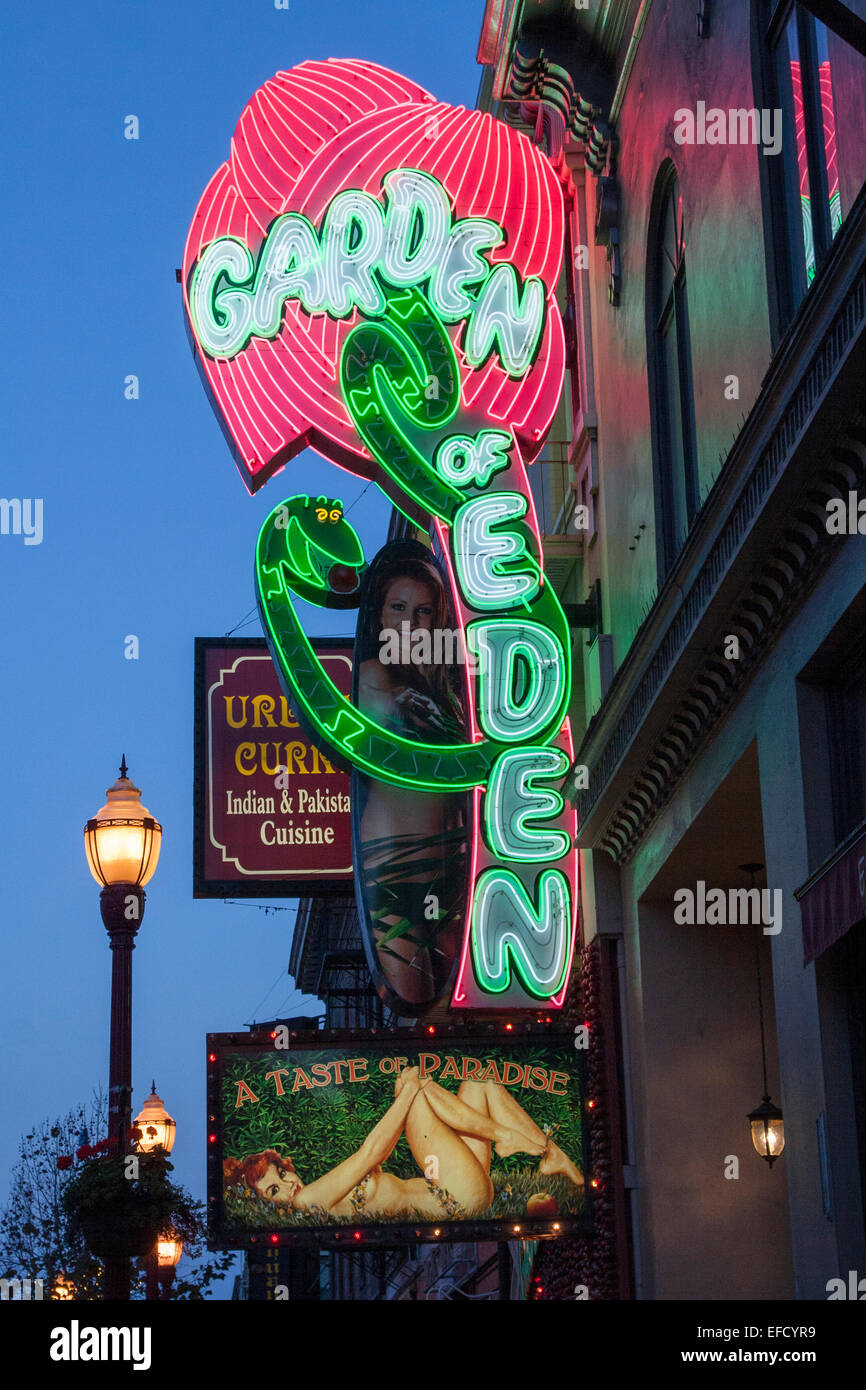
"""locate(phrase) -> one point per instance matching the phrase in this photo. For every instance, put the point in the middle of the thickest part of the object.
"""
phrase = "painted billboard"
(373, 273)
(341, 1138)
(272, 813)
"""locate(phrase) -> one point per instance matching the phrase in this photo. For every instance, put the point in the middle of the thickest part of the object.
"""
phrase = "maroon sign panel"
(271, 812)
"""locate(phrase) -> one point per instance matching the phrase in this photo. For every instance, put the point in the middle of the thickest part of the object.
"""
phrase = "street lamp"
(157, 1130)
(156, 1125)
(122, 843)
(168, 1251)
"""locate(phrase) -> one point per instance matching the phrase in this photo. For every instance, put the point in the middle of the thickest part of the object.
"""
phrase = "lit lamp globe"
(156, 1125)
(62, 1289)
(768, 1130)
(168, 1251)
(123, 840)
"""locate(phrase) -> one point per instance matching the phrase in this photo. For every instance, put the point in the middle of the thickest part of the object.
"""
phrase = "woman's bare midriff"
(398, 809)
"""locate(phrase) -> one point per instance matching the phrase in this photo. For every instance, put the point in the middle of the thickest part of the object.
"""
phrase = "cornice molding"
(534, 78)
(787, 552)
(796, 557)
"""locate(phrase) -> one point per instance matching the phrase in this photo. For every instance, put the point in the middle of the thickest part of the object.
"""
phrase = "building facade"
(701, 514)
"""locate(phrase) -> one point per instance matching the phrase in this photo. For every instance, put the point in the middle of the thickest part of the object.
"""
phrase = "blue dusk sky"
(147, 527)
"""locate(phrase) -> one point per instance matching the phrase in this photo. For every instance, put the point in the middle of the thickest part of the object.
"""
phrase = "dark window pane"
(846, 719)
(677, 506)
(828, 122)
(673, 381)
(794, 145)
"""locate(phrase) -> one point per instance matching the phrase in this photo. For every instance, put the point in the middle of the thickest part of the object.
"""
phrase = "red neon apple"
(305, 136)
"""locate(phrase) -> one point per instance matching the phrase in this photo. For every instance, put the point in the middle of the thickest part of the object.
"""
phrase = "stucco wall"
(726, 286)
(666, 967)
(702, 1051)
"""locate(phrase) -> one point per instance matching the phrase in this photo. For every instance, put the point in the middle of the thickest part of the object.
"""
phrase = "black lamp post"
(122, 843)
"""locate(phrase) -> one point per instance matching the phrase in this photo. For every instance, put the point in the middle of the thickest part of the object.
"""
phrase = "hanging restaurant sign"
(373, 273)
(272, 813)
(334, 1138)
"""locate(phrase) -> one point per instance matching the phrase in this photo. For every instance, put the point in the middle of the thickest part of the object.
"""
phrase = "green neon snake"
(400, 381)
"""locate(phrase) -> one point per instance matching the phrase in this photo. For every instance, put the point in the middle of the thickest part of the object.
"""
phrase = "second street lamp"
(122, 842)
(156, 1125)
(156, 1130)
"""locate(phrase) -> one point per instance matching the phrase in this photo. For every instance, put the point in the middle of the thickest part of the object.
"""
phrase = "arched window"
(670, 371)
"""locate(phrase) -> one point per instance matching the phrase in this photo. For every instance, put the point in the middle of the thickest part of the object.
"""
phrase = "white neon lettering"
(463, 265)
(507, 927)
(352, 239)
(500, 319)
(222, 316)
(361, 248)
(290, 268)
(482, 554)
(522, 669)
(416, 228)
(513, 802)
(462, 459)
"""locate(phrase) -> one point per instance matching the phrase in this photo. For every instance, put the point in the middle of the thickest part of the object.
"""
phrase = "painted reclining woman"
(457, 1130)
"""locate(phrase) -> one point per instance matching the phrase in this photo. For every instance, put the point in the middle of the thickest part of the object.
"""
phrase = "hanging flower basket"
(123, 1216)
(122, 1231)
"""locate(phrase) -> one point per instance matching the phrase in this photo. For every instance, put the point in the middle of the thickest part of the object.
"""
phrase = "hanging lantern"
(767, 1125)
(768, 1130)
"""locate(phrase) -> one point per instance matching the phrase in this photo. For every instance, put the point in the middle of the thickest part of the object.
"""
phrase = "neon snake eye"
(335, 516)
(321, 514)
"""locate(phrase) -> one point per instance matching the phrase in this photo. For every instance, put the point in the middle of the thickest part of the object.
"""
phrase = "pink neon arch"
(305, 135)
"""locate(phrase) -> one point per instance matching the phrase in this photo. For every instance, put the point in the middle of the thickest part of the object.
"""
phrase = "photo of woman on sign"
(412, 842)
(451, 1136)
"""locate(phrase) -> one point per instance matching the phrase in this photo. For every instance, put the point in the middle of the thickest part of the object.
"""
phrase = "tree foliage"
(40, 1239)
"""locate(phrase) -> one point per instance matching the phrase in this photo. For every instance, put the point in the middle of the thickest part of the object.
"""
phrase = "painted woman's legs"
(444, 1156)
(511, 1129)
(469, 1113)
(505, 1108)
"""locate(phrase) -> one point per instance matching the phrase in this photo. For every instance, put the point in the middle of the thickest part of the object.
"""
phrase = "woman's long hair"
(252, 1168)
(444, 683)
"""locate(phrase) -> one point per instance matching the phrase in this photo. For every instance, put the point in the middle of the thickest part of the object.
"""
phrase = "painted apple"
(541, 1205)
(344, 579)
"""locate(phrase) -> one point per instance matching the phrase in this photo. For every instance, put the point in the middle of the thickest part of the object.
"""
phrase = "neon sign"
(374, 273)
(361, 247)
